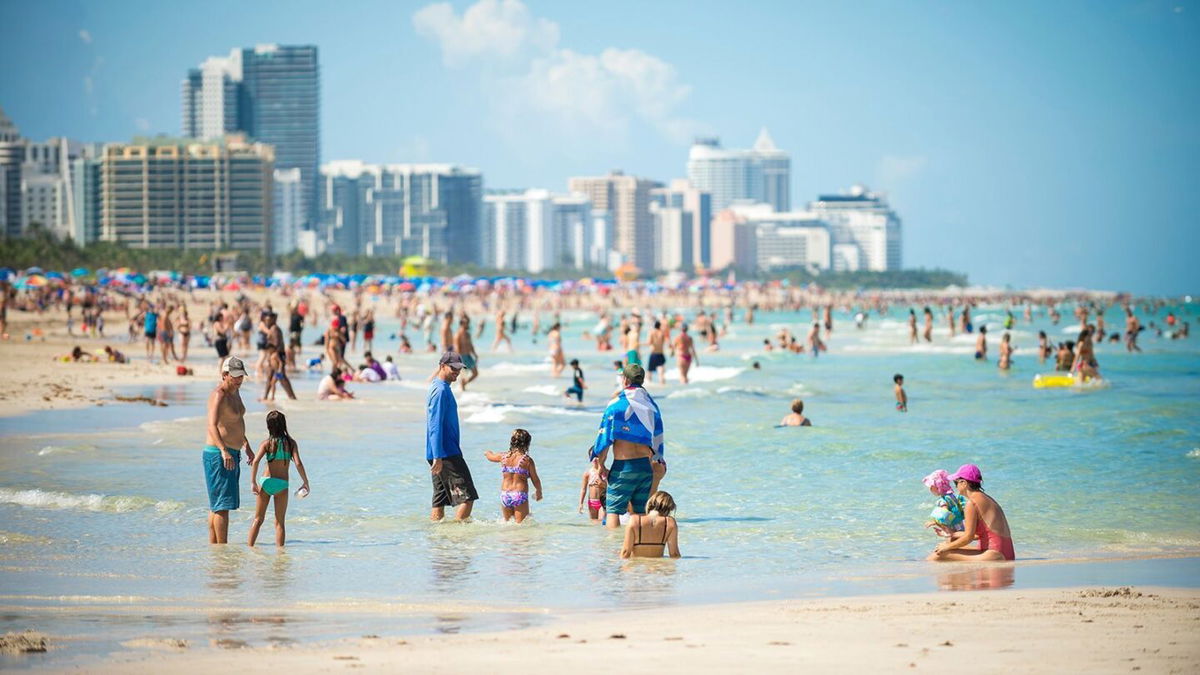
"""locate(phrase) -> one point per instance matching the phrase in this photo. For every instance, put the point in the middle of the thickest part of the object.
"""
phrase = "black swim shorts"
(453, 486)
(656, 361)
(222, 346)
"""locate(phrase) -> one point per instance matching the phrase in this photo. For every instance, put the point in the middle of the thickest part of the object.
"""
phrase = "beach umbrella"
(80, 272)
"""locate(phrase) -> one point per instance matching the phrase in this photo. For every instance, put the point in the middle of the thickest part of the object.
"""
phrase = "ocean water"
(103, 511)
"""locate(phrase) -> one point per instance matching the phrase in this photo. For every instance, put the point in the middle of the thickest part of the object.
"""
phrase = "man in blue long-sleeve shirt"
(452, 484)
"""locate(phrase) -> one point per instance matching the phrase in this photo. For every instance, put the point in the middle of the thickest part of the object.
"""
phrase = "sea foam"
(46, 499)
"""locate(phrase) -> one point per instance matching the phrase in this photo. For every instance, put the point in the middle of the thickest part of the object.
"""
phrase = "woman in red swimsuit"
(982, 516)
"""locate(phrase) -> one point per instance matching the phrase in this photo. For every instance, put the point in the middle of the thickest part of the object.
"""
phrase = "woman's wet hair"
(973, 484)
(520, 440)
(662, 502)
(797, 406)
(574, 362)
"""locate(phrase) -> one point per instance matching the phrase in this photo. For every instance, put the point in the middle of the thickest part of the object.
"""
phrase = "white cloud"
(535, 84)
(489, 28)
(85, 36)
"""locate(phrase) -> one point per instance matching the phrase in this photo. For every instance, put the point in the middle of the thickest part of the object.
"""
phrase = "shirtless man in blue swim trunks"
(632, 429)
(225, 435)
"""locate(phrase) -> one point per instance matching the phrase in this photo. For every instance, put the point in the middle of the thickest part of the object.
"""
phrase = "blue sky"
(1025, 143)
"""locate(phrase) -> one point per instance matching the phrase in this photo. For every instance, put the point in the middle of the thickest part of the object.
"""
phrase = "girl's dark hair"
(277, 429)
(574, 362)
(897, 377)
(520, 440)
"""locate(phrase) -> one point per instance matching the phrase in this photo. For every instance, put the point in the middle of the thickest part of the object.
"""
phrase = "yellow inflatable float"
(1057, 380)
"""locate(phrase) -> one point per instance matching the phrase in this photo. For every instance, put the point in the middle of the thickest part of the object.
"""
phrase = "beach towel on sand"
(632, 416)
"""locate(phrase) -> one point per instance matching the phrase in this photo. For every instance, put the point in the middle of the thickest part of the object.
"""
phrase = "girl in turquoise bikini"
(279, 450)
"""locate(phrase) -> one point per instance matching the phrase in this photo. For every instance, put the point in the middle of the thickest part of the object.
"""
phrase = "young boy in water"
(577, 383)
(901, 397)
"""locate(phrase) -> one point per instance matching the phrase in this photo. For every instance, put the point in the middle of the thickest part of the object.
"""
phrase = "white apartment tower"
(288, 213)
(536, 230)
(865, 231)
(760, 174)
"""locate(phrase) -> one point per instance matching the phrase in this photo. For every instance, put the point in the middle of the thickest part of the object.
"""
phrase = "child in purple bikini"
(516, 470)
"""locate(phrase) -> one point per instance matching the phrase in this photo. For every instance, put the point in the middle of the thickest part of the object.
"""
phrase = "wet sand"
(1062, 630)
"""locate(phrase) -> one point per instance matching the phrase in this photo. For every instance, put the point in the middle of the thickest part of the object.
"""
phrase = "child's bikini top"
(518, 469)
(280, 452)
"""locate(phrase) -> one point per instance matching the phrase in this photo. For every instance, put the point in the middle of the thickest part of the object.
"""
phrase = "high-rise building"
(672, 238)
(760, 174)
(86, 195)
(47, 188)
(288, 212)
(697, 204)
(271, 93)
(628, 199)
(430, 210)
(573, 223)
(12, 156)
(179, 193)
(794, 239)
(865, 231)
(535, 230)
(601, 250)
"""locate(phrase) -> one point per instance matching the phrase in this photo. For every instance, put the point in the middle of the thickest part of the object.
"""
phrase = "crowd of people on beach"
(623, 492)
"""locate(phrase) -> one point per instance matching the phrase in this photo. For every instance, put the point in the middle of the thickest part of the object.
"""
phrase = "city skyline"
(994, 155)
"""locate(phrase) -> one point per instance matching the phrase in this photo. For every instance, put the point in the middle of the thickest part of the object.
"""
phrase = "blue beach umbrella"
(80, 272)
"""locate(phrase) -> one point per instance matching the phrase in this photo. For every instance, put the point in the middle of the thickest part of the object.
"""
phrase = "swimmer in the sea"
(981, 344)
(901, 397)
(796, 418)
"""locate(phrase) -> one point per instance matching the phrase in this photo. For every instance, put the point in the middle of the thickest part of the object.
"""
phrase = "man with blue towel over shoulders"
(632, 426)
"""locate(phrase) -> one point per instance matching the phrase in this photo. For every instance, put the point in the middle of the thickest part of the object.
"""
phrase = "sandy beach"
(1093, 630)
(37, 380)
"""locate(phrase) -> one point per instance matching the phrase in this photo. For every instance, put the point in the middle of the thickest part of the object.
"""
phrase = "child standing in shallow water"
(279, 450)
(516, 470)
(595, 485)
(901, 397)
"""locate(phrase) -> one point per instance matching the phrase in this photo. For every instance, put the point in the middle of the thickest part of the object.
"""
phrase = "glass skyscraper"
(430, 210)
(272, 93)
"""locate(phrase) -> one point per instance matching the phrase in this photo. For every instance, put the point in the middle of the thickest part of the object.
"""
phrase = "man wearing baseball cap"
(982, 516)
(452, 484)
(224, 435)
(632, 427)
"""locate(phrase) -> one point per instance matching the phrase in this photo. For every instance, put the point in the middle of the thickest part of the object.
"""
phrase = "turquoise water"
(103, 510)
